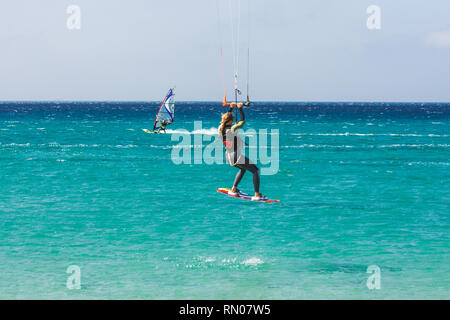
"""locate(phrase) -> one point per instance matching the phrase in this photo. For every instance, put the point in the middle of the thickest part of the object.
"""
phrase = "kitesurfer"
(230, 138)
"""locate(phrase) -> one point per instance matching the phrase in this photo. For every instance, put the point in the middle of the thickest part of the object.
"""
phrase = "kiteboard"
(245, 196)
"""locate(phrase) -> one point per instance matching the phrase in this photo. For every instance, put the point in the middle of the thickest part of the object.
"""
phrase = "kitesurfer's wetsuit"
(233, 154)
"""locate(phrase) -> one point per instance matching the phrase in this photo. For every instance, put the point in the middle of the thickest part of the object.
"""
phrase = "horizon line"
(215, 101)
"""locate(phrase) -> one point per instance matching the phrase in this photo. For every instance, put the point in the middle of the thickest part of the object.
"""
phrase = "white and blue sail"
(166, 110)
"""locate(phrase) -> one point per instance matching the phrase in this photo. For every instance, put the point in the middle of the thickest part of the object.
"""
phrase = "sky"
(300, 50)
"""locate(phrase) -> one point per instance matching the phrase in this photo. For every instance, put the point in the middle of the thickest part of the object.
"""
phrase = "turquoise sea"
(360, 184)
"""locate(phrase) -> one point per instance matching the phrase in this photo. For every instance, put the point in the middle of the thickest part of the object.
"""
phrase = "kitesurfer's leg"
(256, 180)
(247, 165)
(238, 179)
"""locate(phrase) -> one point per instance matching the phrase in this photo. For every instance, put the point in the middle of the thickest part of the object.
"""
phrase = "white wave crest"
(210, 131)
(253, 262)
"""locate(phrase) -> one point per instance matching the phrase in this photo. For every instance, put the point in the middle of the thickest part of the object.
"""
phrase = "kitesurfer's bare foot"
(258, 196)
(234, 191)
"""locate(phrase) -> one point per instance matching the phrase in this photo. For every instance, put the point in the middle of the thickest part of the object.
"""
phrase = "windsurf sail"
(166, 112)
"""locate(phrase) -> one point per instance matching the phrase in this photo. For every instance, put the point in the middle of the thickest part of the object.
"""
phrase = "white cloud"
(439, 39)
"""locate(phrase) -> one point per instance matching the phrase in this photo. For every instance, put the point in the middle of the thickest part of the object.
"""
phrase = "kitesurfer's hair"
(226, 117)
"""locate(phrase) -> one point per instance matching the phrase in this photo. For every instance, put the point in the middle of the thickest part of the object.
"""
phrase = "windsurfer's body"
(229, 135)
(163, 126)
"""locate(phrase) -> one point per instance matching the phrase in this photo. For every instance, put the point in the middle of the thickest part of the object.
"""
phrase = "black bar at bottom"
(223, 309)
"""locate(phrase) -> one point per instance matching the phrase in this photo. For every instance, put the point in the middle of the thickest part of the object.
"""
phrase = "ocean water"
(360, 184)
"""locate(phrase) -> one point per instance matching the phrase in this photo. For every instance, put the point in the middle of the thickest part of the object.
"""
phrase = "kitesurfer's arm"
(241, 123)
